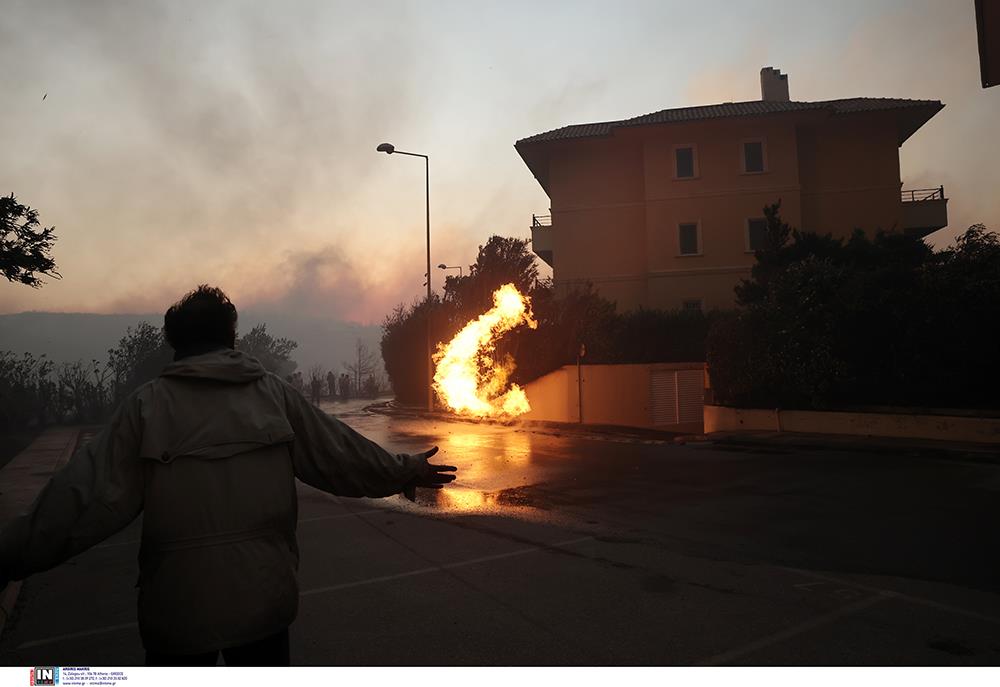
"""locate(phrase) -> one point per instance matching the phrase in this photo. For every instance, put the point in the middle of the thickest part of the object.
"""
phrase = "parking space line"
(302, 520)
(332, 588)
(446, 566)
(818, 621)
(898, 595)
(342, 515)
(112, 545)
(77, 635)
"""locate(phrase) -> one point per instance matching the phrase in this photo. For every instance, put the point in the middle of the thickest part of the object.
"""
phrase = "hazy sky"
(234, 142)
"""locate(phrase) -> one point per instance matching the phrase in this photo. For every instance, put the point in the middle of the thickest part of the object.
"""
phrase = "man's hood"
(225, 365)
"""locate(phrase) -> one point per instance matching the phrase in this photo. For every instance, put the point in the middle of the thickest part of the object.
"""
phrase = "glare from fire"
(467, 378)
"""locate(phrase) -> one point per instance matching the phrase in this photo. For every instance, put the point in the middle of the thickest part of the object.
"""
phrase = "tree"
(274, 354)
(28, 397)
(403, 344)
(83, 391)
(364, 364)
(25, 249)
(139, 357)
(502, 260)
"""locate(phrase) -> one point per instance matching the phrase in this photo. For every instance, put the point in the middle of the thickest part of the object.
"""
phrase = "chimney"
(773, 85)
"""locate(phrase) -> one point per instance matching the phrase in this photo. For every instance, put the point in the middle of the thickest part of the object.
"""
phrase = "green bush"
(880, 321)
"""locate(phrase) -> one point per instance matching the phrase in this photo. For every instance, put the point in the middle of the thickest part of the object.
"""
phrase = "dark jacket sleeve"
(97, 493)
(329, 455)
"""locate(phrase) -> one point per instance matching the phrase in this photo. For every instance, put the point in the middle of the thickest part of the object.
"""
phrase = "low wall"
(619, 395)
(901, 426)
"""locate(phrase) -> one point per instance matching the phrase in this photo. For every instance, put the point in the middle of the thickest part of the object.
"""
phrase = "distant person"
(316, 387)
(209, 453)
(331, 385)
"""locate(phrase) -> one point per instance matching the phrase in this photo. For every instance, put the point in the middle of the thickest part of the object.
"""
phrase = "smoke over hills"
(66, 337)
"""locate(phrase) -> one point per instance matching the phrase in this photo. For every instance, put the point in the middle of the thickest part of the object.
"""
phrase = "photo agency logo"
(45, 675)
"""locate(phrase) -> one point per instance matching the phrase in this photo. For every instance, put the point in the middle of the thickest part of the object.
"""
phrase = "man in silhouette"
(208, 452)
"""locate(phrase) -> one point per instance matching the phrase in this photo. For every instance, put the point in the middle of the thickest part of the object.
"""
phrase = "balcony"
(925, 211)
(541, 237)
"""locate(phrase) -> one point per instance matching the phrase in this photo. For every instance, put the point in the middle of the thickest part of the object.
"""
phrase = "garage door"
(676, 396)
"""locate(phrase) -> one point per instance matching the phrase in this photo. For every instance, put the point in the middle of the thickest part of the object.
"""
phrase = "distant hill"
(66, 337)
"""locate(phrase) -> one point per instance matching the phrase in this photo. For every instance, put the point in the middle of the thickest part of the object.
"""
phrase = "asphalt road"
(562, 548)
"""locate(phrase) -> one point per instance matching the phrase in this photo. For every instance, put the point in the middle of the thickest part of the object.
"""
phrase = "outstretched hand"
(432, 477)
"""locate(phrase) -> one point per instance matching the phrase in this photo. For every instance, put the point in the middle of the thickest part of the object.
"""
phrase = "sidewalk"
(21, 480)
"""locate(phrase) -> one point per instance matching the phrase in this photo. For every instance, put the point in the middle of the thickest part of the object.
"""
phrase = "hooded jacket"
(209, 453)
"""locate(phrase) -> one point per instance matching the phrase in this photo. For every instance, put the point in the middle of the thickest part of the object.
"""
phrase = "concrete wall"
(612, 395)
(934, 427)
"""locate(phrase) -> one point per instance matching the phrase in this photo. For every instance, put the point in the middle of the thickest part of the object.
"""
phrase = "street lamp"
(389, 149)
(443, 266)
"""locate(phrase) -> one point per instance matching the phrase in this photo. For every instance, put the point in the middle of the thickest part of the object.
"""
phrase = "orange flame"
(466, 377)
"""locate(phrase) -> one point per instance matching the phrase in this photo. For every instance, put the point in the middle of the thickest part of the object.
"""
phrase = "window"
(685, 166)
(753, 157)
(756, 234)
(691, 304)
(689, 238)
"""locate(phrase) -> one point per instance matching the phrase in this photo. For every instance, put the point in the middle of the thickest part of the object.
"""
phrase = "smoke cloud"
(233, 142)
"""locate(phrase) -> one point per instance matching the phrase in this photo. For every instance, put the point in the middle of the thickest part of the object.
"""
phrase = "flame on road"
(467, 378)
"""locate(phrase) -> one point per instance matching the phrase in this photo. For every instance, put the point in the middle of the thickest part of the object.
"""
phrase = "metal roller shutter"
(691, 394)
(663, 397)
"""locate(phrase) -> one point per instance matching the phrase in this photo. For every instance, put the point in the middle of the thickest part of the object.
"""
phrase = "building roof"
(910, 115)
(743, 109)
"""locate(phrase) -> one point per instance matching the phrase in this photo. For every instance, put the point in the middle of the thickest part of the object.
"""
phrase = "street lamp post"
(443, 266)
(389, 149)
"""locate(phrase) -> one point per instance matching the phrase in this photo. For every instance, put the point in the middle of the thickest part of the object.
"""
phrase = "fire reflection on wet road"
(494, 461)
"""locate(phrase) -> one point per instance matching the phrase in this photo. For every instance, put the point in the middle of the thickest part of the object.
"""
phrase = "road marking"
(77, 635)
(342, 515)
(888, 593)
(438, 568)
(112, 545)
(842, 592)
(317, 518)
(818, 621)
(332, 588)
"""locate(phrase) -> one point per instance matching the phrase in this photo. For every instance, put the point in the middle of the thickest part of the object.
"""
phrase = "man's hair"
(204, 318)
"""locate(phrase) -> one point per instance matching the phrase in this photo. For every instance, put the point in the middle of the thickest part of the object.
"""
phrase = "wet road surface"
(560, 547)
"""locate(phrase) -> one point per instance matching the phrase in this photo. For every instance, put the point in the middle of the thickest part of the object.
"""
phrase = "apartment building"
(664, 210)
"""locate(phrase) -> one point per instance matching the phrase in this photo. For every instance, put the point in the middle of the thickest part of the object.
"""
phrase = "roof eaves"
(747, 108)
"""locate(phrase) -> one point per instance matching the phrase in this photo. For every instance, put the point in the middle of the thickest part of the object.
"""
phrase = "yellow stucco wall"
(850, 175)
(933, 427)
(612, 395)
(616, 205)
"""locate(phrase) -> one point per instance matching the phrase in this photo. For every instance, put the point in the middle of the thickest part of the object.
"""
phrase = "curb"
(877, 445)
(618, 431)
(12, 592)
(834, 442)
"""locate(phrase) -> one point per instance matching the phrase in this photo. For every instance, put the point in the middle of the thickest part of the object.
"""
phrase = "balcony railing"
(920, 194)
(925, 210)
(541, 237)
